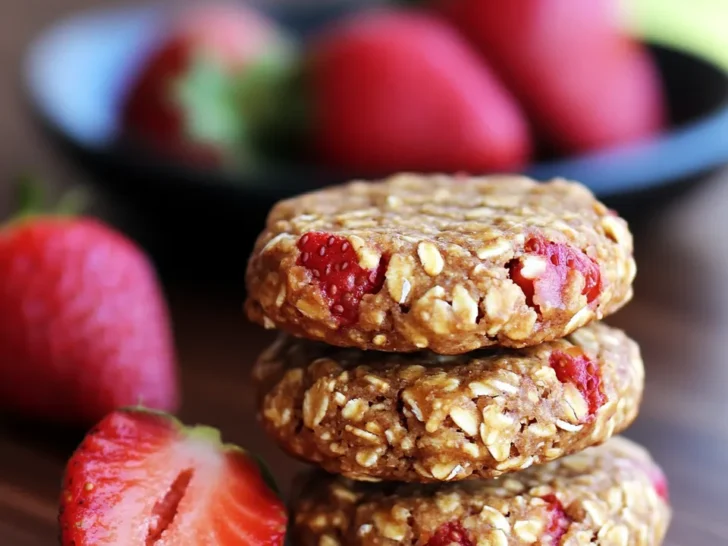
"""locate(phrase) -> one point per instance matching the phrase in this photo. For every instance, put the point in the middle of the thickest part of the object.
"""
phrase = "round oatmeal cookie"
(612, 495)
(422, 417)
(448, 264)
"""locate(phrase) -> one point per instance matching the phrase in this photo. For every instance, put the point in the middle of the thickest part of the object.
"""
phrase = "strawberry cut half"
(141, 477)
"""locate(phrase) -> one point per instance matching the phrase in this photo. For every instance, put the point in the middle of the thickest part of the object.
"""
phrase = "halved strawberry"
(141, 477)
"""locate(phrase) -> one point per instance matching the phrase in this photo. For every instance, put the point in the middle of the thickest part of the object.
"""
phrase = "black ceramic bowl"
(77, 70)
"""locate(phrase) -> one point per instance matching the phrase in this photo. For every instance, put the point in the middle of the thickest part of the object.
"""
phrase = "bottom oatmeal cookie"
(611, 495)
(427, 418)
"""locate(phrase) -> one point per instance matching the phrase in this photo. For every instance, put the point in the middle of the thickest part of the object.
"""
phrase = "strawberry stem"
(30, 195)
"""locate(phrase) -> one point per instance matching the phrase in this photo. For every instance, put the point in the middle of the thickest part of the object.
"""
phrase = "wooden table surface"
(679, 315)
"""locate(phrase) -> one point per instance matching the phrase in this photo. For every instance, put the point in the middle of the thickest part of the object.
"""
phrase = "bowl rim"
(697, 147)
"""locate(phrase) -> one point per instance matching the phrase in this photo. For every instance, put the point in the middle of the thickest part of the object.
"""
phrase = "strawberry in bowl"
(396, 89)
(208, 88)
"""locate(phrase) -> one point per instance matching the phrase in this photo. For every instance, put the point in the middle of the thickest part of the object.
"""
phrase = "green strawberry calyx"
(31, 201)
(207, 99)
(230, 110)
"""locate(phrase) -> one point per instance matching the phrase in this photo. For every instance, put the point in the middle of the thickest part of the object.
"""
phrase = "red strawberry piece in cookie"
(575, 367)
(659, 480)
(449, 534)
(334, 263)
(546, 268)
(559, 521)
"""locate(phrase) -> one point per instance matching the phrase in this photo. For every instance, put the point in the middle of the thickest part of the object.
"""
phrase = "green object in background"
(270, 100)
(207, 95)
(235, 112)
(699, 26)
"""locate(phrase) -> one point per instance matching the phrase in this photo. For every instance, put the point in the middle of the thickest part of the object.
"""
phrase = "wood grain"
(679, 316)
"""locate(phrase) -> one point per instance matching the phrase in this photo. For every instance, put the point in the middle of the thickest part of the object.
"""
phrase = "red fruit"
(547, 287)
(583, 83)
(335, 265)
(84, 327)
(577, 368)
(142, 478)
(449, 534)
(399, 90)
(201, 94)
(559, 521)
(659, 481)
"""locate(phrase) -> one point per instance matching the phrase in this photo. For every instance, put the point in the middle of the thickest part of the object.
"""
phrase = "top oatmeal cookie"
(449, 264)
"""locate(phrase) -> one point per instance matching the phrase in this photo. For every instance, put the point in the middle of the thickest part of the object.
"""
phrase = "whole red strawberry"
(209, 86)
(583, 83)
(400, 90)
(143, 478)
(83, 324)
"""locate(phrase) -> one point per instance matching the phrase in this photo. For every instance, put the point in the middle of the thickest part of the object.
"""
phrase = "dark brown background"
(679, 315)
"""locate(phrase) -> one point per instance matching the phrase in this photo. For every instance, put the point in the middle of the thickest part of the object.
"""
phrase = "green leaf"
(265, 473)
(242, 114)
(259, 87)
(207, 97)
(282, 135)
(29, 195)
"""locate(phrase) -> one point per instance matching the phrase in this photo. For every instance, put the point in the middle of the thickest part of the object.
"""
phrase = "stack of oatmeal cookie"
(443, 361)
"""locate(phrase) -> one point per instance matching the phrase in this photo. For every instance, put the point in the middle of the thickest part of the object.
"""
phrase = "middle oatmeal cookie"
(422, 417)
(440, 263)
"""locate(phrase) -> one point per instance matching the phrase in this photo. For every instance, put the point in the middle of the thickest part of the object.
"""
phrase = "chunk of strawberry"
(546, 286)
(143, 478)
(335, 265)
(450, 533)
(575, 367)
(659, 481)
(558, 523)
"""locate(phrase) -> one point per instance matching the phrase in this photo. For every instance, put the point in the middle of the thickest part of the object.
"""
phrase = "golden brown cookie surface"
(609, 495)
(449, 264)
(431, 418)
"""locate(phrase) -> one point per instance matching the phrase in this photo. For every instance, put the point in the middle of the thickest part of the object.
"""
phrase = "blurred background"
(185, 122)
